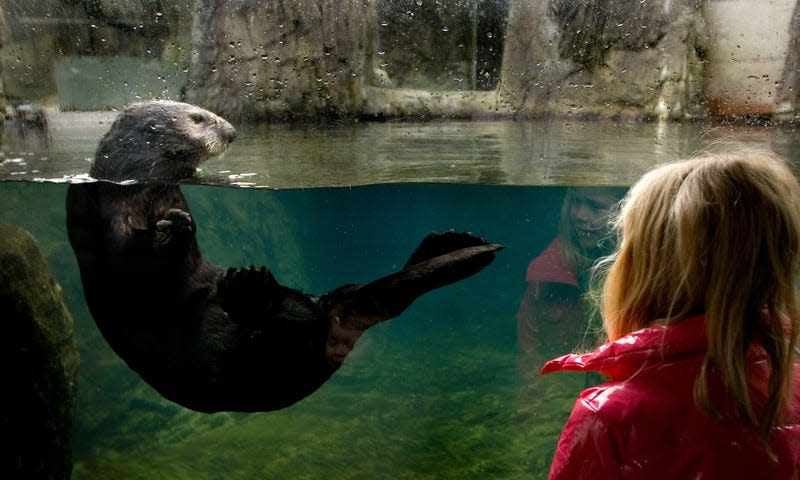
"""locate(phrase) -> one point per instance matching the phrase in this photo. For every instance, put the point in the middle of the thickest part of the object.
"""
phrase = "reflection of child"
(340, 342)
(550, 320)
(701, 308)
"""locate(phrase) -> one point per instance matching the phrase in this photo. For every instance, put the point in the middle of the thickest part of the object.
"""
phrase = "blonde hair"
(719, 235)
(578, 257)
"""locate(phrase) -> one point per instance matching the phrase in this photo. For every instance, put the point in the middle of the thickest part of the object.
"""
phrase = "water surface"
(490, 152)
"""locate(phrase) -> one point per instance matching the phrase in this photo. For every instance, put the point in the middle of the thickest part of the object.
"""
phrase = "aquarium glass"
(449, 389)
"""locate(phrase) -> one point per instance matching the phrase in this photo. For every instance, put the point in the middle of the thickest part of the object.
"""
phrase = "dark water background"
(434, 393)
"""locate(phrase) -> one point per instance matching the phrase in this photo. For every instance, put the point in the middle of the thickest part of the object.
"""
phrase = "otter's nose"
(227, 131)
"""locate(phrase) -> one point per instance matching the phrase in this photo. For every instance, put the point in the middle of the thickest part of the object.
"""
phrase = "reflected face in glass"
(589, 214)
(340, 342)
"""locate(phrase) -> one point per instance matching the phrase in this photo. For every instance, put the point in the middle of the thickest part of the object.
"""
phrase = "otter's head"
(161, 141)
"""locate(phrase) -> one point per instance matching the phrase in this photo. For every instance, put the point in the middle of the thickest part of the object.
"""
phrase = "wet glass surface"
(449, 389)
(492, 152)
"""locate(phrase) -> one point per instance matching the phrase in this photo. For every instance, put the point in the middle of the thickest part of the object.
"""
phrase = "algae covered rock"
(39, 359)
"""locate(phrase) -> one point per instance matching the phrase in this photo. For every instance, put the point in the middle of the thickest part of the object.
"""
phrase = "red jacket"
(551, 266)
(643, 422)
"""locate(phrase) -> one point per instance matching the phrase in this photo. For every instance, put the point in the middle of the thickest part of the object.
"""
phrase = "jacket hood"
(620, 359)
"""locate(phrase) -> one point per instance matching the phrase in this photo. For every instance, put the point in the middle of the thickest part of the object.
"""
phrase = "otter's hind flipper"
(439, 260)
(435, 244)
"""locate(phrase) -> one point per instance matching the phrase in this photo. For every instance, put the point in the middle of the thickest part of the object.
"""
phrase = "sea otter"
(207, 337)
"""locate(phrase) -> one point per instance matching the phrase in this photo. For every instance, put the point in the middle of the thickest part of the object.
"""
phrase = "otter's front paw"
(248, 294)
(176, 224)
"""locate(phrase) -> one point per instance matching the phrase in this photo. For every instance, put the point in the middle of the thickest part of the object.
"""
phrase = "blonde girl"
(701, 310)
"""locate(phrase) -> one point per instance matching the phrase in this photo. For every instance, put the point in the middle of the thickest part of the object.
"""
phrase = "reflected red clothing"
(551, 266)
(550, 319)
(643, 422)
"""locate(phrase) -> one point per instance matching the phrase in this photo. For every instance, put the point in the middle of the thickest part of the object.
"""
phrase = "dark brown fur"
(209, 338)
(160, 141)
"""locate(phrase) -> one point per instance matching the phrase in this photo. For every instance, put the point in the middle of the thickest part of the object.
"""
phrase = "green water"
(433, 393)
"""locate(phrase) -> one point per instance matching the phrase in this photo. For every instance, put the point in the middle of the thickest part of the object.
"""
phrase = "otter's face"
(189, 133)
(161, 141)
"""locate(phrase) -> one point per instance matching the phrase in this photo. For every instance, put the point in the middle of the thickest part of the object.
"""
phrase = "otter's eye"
(197, 118)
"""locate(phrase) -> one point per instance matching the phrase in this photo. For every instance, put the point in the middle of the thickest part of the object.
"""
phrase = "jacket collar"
(622, 358)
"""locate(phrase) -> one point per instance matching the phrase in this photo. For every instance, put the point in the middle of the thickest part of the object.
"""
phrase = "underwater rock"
(39, 359)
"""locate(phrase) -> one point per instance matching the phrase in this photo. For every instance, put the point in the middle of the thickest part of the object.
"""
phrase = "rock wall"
(743, 76)
(605, 57)
(788, 96)
(454, 45)
(39, 362)
(266, 58)
(41, 33)
(275, 59)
